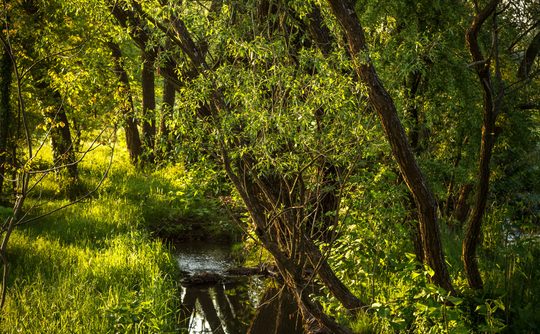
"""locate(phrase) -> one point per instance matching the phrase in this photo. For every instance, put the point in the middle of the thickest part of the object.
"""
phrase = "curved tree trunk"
(385, 107)
(528, 59)
(489, 114)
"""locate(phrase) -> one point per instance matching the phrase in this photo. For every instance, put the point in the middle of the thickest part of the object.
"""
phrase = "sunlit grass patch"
(91, 267)
(62, 288)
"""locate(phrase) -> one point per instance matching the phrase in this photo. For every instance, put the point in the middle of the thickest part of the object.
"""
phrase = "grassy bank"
(96, 267)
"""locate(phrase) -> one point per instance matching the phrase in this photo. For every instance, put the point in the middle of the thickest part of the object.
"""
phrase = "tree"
(384, 105)
(282, 200)
(52, 100)
(133, 141)
(491, 107)
(489, 69)
(165, 145)
(6, 114)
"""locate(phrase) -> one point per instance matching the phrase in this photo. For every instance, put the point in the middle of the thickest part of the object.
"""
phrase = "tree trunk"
(462, 208)
(133, 140)
(489, 114)
(412, 111)
(167, 107)
(148, 105)
(6, 68)
(385, 107)
(62, 143)
(451, 203)
(60, 132)
(528, 59)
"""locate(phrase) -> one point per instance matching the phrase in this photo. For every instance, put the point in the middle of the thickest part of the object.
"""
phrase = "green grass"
(93, 267)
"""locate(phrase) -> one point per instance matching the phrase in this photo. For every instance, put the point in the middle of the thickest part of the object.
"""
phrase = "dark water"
(238, 306)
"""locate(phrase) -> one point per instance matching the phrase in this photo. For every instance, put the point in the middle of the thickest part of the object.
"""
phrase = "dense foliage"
(392, 148)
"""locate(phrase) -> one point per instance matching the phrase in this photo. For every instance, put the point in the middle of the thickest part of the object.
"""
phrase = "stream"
(235, 305)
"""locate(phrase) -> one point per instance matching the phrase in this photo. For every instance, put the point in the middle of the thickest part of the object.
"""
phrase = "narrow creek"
(233, 305)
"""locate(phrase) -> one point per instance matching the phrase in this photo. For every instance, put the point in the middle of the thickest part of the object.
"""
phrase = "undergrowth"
(96, 266)
(375, 256)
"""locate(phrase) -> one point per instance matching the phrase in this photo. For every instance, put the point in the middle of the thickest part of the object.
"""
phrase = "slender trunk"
(318, 31)
(450, 203)
(167, 107)
(412, 111)
(472, 233)
(330, 280)
(133, 141)
(6, 68)
(60, 131)
(385, 107)
(148, 105)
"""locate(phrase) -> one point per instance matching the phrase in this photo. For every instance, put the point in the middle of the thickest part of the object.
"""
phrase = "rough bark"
(385, 107)
(133, 140)
(489, 114)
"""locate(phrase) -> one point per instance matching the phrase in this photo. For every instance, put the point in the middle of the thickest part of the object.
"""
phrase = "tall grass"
(92, 267)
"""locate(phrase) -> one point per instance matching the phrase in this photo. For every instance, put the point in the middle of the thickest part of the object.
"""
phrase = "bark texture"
(385, 107)
(489, 114)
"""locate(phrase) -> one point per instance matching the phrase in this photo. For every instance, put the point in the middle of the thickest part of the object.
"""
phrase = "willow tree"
(263, 95)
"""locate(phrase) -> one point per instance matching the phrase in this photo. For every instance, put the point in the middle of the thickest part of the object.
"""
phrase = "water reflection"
(244, 305)
(229, 309)
(220, 308)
